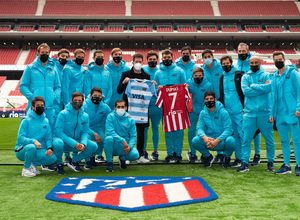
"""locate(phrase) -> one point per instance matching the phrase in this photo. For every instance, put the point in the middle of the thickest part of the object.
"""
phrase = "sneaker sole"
(46, 169)
(108, 171)
(153, 159)
(243, 171)
(72, 168)
(255, 164)
(287, 172)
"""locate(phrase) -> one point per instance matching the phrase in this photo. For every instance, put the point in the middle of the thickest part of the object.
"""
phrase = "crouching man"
(214, 131)
(72, 126)
(120, 137)
(34, 143)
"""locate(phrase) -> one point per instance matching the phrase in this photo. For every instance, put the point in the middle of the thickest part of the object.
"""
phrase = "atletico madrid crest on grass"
(132, 193)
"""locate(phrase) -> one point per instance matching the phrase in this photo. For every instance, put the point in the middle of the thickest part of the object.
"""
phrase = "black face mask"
(39, 110)
(44, 58)
(96, 100)
(279, 64)
(255, 68)
(185, 58)
(198, 80)
(167, 62)
(152, 64)
(99, 61)
(210, 104)
(79, 61)
(243, 56)
(63, 61)
(227, 68)
(117, 59)
(77, 105)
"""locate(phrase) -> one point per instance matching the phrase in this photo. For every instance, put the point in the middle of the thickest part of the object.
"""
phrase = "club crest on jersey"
(132, 193)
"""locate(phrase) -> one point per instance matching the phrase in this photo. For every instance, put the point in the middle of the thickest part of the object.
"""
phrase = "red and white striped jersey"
(173, 100)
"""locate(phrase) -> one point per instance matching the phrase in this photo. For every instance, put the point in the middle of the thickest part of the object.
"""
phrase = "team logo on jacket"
(132, 193)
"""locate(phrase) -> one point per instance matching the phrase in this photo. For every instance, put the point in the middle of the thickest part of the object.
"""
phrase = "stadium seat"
(15, 7)
(47, 28)
(9, 55)
(229, 28)
(27, 28)
(91, 28)
(5, 27)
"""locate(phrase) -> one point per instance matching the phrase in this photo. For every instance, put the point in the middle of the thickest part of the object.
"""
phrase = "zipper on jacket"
(76, 125)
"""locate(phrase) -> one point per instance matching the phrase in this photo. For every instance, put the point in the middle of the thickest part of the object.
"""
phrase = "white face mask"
(208, 61)
(137, 66)
(120, 111)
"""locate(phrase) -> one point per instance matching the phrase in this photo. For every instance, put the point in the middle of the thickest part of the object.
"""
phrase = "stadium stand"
(27, 28)
(9, 55)
(31, 56)
(258, 8)
(2, 79)
(142, 28)
(253, 28)
(229, 28)
(164, 28)
(294, 28)
(91, 28)
(84, 8)
(5, 27)
(114, 28)
(186, 28)
(16, 91)
(47, 28)
(171, 8)
(274, 28)
(209, 28)
(70, 28)
(18, 7)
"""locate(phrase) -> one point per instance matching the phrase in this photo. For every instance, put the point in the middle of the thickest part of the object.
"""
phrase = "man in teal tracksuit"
(34, 143)
(286, 110)
(256, 87)
(212, 70)
(41, 78)
(98, 112)
(120, 140)
(170, 74)
(155, 113)
(243, 65)
(116, 67)
(72, 127)
(232, 97)
(185, 62)
(198, 85)
(98, 76)
(73, 76)
(214, 131)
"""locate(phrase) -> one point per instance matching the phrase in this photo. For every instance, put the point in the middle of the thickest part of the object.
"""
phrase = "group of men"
(83, 110)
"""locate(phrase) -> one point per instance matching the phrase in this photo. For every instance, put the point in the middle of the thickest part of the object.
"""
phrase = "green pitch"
(254, 195)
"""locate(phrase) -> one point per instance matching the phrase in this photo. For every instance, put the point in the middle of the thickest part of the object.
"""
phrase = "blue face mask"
(208, 61)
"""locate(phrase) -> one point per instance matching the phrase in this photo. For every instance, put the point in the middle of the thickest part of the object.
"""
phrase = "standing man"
(40, 78)
(120, 131)
(116, 67)
(286, 110)
(185, 62)
(256, 87)
(170, 74)
(232, 97)
(198, 85)
(154, 112)
(72, 127)
(73, 76)
(243, 65)
(136, 72)
(98, 76)
(98, 112)
(214, 131)
(212, 70)
(63, 58)
(34, 144)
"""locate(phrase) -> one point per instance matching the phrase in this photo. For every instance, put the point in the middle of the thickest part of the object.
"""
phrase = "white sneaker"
(143, 160)
(28, 173)
(34, 170)
(127, 162)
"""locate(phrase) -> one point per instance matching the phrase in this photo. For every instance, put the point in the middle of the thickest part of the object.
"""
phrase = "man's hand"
(49, 152)
(126, 147)
(79, 147)
(271, 119)
(37, 144)
(206, 139)
(267, 82)
(213, 143)
(297, 114)
(125, 81)
(97, 137)
(154, 82)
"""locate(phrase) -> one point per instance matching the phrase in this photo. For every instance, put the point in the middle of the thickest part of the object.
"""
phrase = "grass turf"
(254, 195)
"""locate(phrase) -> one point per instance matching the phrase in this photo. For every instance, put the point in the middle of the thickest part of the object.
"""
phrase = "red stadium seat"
(27, 28)
(91, 28)
(18, 7)
(229, 28)
(253, 28)
(9, 55)
(71, 28)
(294, 28)
(2, 79)
(209, 28)
(5, 27)
(274, 28)
(47, 28)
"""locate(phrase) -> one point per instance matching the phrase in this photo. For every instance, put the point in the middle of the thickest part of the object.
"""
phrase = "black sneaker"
(60, 169)
(256, 160)
(93, 162)
(88, 165)
(74, 166)
(146, 155)
(297, 170)
(284, 169)
(109, 167)
(208, 161)
(219, 159)
(51, 167)
(202, 158)
(236, 163)
(154, 155)
(169, 159)
(178, 159)
(100, 159)
(243, 168)
(226, 162)
(68, 159)
(270, 167)
(122, 163)
(191, 157)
